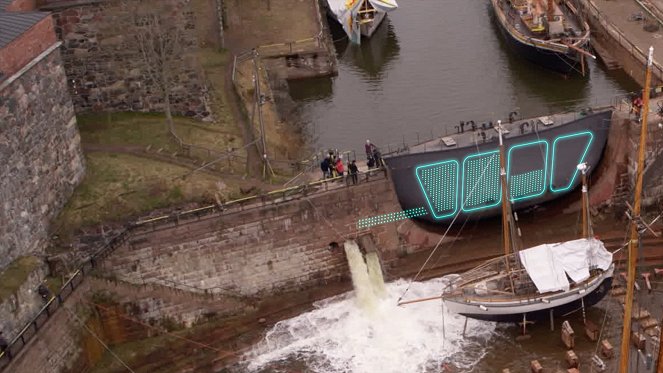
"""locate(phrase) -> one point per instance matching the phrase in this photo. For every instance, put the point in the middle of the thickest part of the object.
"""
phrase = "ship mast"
(586, 231)
(635, 216)
(506, 234)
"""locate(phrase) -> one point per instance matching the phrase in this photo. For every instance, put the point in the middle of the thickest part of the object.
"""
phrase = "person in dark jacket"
(352, 168)
(324, 166)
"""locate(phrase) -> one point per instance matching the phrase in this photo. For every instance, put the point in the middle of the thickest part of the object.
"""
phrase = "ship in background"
(458, 175)
(550, 33)
(359, 17)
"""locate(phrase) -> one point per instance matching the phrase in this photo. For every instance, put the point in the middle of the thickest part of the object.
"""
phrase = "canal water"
(430, 65)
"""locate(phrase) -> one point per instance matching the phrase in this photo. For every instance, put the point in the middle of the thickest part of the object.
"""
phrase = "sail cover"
(548, 265)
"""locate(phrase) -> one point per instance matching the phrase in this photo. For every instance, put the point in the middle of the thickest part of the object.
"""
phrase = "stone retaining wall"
(105, 67)
(284, 247)
(42, 161)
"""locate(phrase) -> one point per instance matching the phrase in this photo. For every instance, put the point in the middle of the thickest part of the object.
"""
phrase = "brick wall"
(23, 49)
(285, 247)
(41, 161)
(21, 5)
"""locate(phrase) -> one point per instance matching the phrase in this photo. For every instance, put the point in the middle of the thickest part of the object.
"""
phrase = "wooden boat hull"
(535, 309)
(563, 60)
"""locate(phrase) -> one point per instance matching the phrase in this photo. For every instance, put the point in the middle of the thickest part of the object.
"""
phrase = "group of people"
(373, 156)
(332, 166)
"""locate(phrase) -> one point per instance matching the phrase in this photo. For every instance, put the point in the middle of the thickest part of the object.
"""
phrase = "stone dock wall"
(279, 248)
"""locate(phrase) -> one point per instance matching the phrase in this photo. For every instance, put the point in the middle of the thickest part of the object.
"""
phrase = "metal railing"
(48, 310)
(18, 343)
(592, 10)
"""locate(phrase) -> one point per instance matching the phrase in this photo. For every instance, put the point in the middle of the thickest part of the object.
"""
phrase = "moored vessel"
(359, 17)
(550, 33)
(458, 175)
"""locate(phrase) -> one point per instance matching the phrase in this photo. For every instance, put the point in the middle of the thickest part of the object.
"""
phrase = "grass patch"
(15, 275)
(119, 186)
(214, 63)
(149, 129)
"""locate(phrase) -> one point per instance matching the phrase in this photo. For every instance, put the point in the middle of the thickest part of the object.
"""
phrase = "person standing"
(370, 149)
(353, 170)
(324, 166)
(339, 165)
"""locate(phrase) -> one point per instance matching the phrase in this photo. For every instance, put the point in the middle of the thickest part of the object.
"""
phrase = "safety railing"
(261, 200)
(592, 10)
(31, 329)
(48, 310)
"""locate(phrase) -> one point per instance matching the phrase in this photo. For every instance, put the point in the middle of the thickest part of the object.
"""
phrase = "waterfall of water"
(375, 274)
(361, 331)
(363, 284)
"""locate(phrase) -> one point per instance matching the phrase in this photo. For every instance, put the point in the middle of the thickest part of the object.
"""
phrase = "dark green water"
(432, 64)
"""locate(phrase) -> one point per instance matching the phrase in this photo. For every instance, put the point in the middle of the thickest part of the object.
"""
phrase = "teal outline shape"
(464, 182)
(545, 168)
(423, 190)
(582, 159)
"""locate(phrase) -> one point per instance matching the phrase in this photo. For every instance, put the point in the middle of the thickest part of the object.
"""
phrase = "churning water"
(365, 331)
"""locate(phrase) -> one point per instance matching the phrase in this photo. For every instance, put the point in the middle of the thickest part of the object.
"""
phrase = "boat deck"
(570, 20)
(476, 137)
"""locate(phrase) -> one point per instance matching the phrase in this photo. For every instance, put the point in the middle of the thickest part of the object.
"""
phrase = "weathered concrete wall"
(284, 247)
(104, 64)
(22, 305)
(40, 153)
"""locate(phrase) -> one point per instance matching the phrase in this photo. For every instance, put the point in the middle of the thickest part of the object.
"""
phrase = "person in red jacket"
(339, 165)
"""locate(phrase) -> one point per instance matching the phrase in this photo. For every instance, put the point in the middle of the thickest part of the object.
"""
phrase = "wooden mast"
(633, 242)
(505, 208)
(585, 201)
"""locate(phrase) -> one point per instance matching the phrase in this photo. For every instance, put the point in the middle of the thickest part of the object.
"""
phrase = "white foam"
(340, 337)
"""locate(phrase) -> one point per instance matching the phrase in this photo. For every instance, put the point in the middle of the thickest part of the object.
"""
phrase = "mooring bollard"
(568, 335)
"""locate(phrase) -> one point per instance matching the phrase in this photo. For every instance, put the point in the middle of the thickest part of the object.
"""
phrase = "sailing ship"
(550, 33)
(542, 153)
(537, 283)
(359, 17)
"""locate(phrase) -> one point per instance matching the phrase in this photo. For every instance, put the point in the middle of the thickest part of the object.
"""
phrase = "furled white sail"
(549, 264)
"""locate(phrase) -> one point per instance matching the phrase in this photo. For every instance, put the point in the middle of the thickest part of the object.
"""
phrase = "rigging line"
(80, 322)
(445, 232)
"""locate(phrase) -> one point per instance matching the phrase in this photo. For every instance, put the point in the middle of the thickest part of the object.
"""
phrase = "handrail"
(47, 311)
